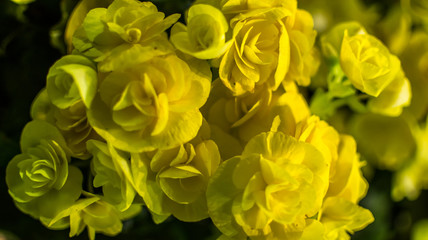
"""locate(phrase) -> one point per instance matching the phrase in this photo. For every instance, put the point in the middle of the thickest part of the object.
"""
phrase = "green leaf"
(339, 85)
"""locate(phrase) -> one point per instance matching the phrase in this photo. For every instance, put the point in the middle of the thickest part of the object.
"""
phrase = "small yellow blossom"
(260, 53)
(40, 179)
(126, 32)
(204, 37)
(368, 63)
(174, 181)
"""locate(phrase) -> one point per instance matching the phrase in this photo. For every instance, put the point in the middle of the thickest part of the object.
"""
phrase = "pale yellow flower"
(368, 63)
(127, 32)
(174, 181)
(204, 37)
(151, 105)
(260, 53)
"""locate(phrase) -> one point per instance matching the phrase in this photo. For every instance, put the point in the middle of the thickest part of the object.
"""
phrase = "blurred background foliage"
(31, 40)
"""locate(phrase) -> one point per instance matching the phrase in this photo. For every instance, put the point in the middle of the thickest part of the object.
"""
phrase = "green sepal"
(339, 85)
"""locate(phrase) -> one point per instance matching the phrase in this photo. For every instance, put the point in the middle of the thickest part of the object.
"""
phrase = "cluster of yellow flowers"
(213, 118)
(389, 136)
(387, 139)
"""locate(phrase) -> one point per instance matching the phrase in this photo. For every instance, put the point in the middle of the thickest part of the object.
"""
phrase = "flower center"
(134, 35)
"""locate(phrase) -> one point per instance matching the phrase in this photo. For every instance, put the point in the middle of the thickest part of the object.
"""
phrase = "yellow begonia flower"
(126, 32)
(71, 121)
(340, 213)
(174, 181)
(151, 105)
(95, 214)
(369, 66)
(321, 135)
(71, 79)
(235, 120)
(304, 58)
(260, 53)
(270, 190)
(39, 179)
(368, 63)
(108, 172)
(204, 37)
